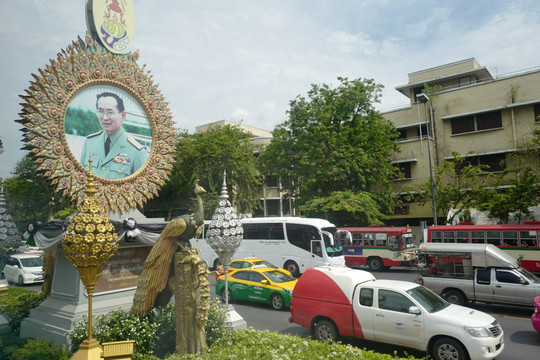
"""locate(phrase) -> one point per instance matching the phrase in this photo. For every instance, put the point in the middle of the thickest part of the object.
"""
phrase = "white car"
(24, 269)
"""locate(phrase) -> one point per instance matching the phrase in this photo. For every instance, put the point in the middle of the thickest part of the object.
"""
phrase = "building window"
(271, 182)
(462, 125)
(490, 120)
(537, 112)
(402, 134)
(404, 171)
(465, 80)
(421, 131)
(416, 91)
(402, 209)
(484, 121)
(260, 211)
(272, 207)
(495, 162)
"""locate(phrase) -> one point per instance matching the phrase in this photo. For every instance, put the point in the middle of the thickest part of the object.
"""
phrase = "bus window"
(494, 237)
(463, 237)
(316, 248)
(357, 239)
(528, 238)
(509, 238)
(380, 239)
(393, 241)
(301, 235)
(436, 236)
(276, 232)
(407, 241)
(449, 236)
(478, 237)
(369, 239)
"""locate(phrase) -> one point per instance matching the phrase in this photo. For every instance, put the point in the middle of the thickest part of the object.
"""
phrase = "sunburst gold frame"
(81, 65)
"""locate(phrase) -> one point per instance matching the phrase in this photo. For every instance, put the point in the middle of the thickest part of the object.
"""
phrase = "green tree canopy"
(204, 156)
(335, 145)
(457, 183)
(30, 198)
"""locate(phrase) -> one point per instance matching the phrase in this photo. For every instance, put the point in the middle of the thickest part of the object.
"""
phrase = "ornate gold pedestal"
(89, 350)
(90, 241)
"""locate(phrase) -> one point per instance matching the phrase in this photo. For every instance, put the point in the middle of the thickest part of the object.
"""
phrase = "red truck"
(336, 301)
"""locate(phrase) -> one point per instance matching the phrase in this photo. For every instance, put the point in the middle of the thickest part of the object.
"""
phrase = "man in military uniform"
(114, 154)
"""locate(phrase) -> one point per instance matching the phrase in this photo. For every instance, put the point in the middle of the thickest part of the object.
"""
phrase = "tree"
(205, 156)
(335, 145)
(521, 194)
(29, 197)
(456, 184)
(517, 188)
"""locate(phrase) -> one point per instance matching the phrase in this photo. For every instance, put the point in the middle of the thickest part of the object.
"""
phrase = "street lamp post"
(423, 98)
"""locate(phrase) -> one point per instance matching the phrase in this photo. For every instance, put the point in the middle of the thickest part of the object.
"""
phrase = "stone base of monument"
(67, 303)
(234, 320)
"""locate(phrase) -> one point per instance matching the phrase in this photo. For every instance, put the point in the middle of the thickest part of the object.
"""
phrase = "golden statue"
(173, 267)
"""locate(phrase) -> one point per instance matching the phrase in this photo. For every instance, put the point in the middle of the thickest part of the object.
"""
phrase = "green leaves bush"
(13, 347)
(154, 335)
(16, 308)
(265, 345)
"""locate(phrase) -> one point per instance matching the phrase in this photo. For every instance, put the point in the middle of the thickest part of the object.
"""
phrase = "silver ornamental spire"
(225, 231)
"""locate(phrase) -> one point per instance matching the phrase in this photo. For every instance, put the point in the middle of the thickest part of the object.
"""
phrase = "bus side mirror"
(330, 237)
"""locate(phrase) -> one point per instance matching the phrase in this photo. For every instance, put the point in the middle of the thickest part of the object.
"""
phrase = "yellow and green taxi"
(244, 263)
(259, 284)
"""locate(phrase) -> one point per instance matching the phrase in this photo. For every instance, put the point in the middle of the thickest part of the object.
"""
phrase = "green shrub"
(40, 350)
(9, 342)
(154, 334)
(12, 347)
(18, 307)
(215, 325)
(265, 345)
(164, 318)
(117, 325)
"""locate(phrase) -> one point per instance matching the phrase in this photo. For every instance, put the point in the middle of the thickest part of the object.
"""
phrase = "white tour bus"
(293, 243)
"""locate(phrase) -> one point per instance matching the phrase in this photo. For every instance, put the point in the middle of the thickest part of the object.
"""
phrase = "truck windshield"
(529, 275)
(428, 299)
(332, 250)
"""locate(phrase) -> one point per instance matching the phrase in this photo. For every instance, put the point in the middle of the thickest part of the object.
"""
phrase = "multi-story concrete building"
(472, 112)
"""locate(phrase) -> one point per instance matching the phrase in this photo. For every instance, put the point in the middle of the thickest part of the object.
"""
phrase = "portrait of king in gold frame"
(108, 124)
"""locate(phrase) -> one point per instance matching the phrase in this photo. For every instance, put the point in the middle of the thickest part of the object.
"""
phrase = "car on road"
(535, 318)
(24, 269)
(258, 284)
(336, 302)
(245, 263)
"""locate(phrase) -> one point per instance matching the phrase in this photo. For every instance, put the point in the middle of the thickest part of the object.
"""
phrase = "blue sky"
(244, 60)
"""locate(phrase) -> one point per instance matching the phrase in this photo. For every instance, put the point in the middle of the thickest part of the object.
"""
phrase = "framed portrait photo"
(92, 111)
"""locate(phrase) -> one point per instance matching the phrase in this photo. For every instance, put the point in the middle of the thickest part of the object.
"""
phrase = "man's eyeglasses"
(109, 113)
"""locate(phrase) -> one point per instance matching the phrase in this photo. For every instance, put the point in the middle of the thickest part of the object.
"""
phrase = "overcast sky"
(244, 60)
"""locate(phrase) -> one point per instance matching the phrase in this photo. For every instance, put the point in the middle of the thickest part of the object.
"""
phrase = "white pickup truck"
(341, 302)
(476, 272)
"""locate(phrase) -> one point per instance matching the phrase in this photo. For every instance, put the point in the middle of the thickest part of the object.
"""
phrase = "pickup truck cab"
(477, 272)
(342, 302)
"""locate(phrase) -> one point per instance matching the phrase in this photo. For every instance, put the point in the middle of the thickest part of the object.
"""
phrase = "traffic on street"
(521, 339)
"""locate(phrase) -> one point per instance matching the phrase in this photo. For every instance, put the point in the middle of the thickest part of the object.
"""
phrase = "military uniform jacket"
(125, 156)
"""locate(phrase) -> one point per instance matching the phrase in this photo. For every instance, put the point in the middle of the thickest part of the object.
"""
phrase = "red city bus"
(521, 241)
(379, 247)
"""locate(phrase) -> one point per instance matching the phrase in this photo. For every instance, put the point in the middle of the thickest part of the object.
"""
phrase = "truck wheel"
(20, 281)
(277, 302)
(292, 267)
(448, 349)
(229, 296)
(325, 331)
(216, 264)
(454, 297)
(375, 264)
